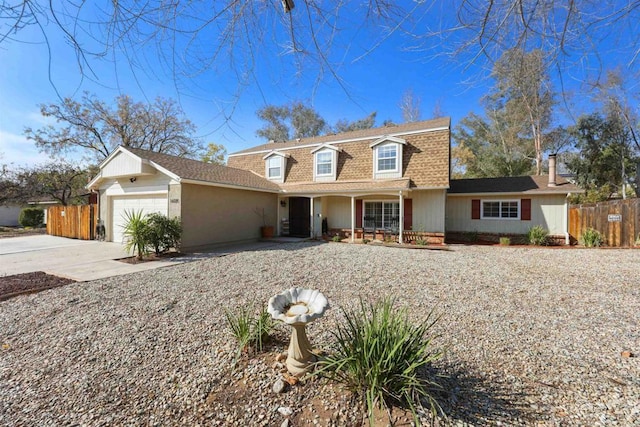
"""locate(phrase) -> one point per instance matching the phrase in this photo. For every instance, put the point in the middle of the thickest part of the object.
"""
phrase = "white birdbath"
(297, 307)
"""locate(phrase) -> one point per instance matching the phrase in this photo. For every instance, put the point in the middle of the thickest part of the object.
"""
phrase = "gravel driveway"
(533, 337)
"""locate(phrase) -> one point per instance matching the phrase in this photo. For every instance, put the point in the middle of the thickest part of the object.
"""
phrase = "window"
(501, 209)
(387, 157)
(382, 214)
(324, 163)
(274, 167)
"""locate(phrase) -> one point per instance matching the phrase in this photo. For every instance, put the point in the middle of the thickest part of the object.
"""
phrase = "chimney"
(552, 170)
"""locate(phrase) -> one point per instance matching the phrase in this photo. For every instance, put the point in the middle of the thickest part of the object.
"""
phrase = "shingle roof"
(188, 169)
(515, 184)
(443, 122)
(345, 186)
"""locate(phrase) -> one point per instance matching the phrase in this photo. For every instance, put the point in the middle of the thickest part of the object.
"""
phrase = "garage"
(145, 203)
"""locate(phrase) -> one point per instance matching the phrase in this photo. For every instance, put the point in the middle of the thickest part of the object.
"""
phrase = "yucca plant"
(538, 235)
(591, 238)
(136, 233)
(380, 356)
(249, 330)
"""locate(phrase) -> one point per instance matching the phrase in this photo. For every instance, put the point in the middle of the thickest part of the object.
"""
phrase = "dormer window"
(325, 159)
(387, 157)
(324, 163)
(275, 165)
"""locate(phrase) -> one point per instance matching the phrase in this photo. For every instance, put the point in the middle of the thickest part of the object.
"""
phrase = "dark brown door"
(299, 216)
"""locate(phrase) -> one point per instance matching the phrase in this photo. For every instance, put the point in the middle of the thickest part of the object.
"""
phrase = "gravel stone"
(532, 336)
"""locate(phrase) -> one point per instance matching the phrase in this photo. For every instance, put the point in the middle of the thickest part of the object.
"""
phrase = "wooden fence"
(77, 222)
(617, 220)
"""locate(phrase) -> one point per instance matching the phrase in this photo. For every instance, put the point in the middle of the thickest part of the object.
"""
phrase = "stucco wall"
(215, 215)
(546, 210)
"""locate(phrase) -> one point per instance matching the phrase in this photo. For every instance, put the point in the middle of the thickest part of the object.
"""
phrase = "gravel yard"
(533, 336)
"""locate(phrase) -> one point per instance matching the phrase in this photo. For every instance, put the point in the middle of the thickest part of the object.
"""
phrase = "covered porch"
(382, 210)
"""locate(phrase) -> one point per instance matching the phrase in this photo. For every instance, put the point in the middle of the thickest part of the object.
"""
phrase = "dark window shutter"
(525, 209)
(358, 213)
(408, 214)
(475, 209)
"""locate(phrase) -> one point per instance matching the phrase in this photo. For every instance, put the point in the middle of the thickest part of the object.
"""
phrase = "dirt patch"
(18, 284)
(6, 232)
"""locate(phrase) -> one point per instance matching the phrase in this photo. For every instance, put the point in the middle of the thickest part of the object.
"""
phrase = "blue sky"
(373, 83)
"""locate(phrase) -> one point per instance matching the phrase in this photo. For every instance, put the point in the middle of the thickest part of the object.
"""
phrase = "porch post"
(278, 230)
(353, 219)
(313, 219)
(401, 221)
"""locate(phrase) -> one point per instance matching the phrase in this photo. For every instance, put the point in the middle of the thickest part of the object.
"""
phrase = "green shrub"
(380, 357)
(249, 330)
(136, 232)
(31, 217)
(538, 235)
(164, 232)
(591, 238)
(337, 238)
(505, 241)
(471, 236)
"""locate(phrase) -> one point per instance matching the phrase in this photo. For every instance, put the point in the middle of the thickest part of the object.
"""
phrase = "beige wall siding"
(123, 164)
(215, 215)
(428, 210)
(546, 210)
(175, 201)
(425, 160)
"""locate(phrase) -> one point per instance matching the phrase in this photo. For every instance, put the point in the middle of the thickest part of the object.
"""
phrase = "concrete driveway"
(80, 260)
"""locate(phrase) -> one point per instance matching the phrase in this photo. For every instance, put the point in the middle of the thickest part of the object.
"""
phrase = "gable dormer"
(387, 157)
(325, 162)
(275, 165)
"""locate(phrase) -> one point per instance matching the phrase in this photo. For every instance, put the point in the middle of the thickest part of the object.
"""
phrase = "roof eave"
(228, 185)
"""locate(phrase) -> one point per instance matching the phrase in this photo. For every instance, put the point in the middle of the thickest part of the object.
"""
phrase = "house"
(389, 182)
(9, 215)
(510, 206)
(216, 204)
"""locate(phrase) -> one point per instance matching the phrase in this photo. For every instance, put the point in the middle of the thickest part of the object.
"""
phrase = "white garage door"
(146, 204)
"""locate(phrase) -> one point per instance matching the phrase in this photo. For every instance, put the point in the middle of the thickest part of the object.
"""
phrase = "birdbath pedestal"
(297, 307)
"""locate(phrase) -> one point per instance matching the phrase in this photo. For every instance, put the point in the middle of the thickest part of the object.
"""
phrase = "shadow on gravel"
(473, 400)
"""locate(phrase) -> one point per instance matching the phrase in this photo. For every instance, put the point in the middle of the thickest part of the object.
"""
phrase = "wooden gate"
(617, 220)
(77, 222)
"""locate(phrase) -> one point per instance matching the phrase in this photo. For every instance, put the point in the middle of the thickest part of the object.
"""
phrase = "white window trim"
(501, 201)
(364, 207)
(376, 158)
(324, 148)
(279, 159)
(332, 157)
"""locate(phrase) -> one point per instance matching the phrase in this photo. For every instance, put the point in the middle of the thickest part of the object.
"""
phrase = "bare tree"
(97, 129)
(192, 37)
(410, 106)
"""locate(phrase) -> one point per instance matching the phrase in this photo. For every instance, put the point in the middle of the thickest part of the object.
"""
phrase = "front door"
(299, 216)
